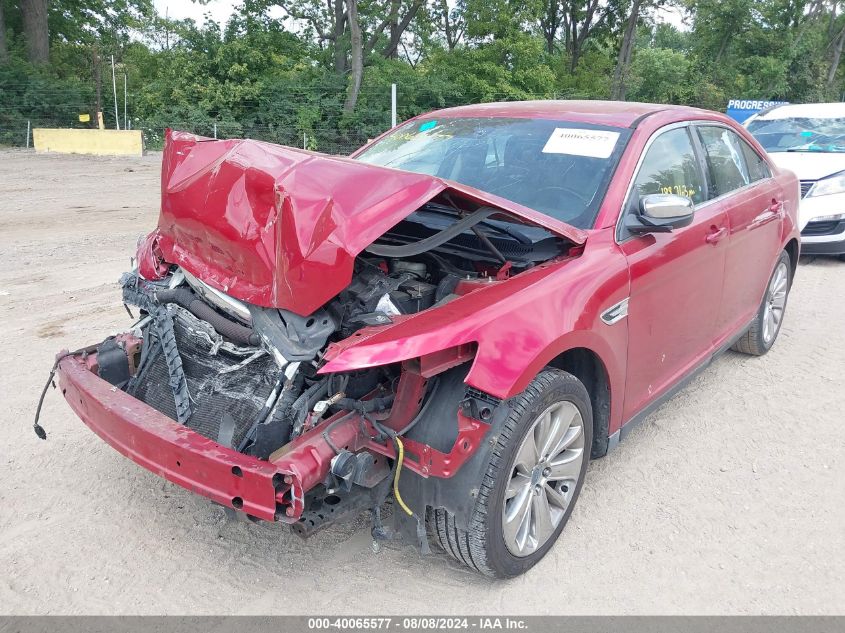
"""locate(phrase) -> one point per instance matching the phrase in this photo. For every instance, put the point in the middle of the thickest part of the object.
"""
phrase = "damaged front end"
(239, 392)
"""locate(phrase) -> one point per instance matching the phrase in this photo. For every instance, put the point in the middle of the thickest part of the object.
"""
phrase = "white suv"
(809, 139)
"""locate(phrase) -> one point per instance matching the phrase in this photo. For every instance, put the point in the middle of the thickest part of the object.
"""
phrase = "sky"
(220, 11)
(181, 9)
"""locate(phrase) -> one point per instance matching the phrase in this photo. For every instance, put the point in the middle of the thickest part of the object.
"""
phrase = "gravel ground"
(729, 499)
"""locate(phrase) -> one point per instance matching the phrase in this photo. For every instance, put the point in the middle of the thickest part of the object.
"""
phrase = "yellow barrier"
(81, 141)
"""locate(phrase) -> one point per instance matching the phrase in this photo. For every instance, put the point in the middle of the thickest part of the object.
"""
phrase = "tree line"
(317, 72)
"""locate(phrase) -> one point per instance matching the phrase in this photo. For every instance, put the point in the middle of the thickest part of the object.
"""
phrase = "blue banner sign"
(741, 109)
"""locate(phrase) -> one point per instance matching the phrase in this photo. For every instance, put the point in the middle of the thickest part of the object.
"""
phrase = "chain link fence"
(328, 140)
(310, 117)
(17, 132)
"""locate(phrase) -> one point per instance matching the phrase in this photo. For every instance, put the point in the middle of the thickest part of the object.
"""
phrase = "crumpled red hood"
(280, 227)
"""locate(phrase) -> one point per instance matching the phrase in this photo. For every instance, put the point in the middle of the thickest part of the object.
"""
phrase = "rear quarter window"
(758, 168)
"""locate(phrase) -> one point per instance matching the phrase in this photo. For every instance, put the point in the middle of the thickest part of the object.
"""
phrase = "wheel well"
(792, 250)
(586, 365)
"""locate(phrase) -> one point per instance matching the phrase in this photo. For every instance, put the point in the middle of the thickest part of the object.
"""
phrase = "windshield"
(559, 168)
(800, 134)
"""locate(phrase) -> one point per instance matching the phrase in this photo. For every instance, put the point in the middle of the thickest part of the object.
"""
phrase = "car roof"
(804, 110)
(613, 113)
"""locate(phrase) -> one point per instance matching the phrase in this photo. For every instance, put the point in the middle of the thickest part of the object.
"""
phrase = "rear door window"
(726, 166)
(670, 166)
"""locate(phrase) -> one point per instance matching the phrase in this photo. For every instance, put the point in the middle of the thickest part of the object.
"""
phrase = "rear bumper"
(172, 451)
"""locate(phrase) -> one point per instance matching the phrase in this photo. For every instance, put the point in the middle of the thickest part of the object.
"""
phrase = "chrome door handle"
(773, 212)
(715, 236)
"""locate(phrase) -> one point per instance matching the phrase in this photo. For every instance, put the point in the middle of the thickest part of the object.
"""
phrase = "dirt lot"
(729, 499)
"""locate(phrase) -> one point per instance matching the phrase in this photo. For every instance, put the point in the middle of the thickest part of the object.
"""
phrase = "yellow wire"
(400, 458)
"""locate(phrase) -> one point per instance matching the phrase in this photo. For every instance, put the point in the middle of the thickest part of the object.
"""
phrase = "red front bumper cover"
(170, 450)
(272, 490)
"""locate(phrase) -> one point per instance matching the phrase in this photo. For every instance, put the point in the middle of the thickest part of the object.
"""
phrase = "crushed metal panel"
(280, 227)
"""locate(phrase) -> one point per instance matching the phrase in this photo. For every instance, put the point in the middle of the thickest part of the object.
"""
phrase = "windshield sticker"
(425, 127)
(593, 143)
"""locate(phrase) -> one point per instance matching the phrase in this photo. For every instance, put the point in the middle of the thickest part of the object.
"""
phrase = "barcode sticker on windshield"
(593, 143)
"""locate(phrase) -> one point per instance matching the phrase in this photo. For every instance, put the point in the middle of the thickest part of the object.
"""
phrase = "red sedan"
(458, 317)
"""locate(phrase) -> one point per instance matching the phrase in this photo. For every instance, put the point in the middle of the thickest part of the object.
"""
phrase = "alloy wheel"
(775, 302)
(544, 478)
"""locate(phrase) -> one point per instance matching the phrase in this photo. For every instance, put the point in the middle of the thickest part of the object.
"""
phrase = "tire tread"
(751, 342)
(469, 546)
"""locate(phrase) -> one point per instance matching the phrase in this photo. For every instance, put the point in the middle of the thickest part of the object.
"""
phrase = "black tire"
(753, 342)
(482, 547)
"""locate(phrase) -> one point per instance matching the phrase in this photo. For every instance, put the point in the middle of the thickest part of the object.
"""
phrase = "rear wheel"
(764, 330)
(532, 482)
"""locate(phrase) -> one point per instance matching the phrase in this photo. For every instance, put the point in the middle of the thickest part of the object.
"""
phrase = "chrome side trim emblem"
(615, 313)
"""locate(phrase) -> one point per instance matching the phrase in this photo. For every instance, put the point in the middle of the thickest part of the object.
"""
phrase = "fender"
(516, 324)
(480, 317)
(611, 359)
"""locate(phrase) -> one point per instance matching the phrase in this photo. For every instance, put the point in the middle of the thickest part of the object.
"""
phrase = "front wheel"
(531, 483)
(766, 325)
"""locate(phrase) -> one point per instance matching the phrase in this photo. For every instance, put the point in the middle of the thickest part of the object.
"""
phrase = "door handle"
(715, 236)
(771, 213)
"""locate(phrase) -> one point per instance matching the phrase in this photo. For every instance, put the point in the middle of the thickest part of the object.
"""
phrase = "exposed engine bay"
(247, 376)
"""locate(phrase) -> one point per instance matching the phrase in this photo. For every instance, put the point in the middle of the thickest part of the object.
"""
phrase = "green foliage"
(589, 80)
(660, 75)
(668, 36)
(513, 67)
(278, 79)
(33, 94)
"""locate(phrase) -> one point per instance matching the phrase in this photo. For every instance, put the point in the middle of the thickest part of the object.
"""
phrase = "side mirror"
(661, 213)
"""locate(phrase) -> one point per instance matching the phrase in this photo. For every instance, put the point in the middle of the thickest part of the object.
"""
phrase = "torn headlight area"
(247, 379)
(260, 374)
(151, 264)
(202, 347)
